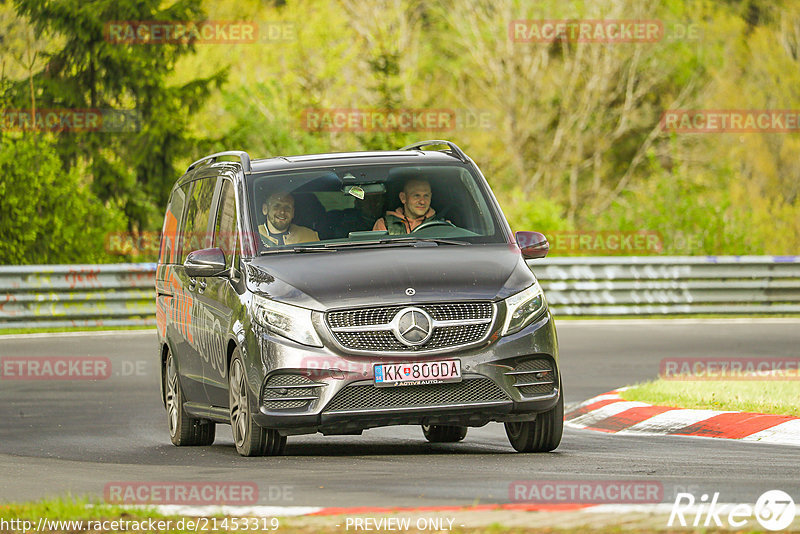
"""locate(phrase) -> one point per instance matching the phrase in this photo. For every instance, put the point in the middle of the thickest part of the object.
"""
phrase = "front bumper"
(308, 390)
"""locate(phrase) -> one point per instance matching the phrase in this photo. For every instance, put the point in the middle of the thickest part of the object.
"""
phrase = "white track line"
(668, 422)
(591, 418)
(787, 433)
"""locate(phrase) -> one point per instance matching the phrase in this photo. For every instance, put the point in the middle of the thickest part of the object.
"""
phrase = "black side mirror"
(532, 244)
(205, 262)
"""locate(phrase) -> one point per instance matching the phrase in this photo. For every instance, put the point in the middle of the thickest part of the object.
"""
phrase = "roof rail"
(243, 156)
(453, 147)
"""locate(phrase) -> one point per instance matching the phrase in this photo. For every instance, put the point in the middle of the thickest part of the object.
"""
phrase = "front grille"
(368, 397)
(534, 377)
(364, 317)
(286, 391)
(370, 329)
(381, 341)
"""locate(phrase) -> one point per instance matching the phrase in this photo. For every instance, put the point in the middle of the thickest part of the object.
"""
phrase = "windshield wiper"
(307, 248)
(440, 241)
(409, 241)
(397, 242)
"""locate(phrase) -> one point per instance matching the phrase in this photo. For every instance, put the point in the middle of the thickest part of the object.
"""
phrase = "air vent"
(287, 391)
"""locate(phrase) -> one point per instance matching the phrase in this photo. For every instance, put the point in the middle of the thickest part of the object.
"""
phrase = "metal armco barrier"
(653, 285)
(124, 294)
(121, 294)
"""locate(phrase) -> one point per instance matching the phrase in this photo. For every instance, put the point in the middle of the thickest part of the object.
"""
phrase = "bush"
(48, 215)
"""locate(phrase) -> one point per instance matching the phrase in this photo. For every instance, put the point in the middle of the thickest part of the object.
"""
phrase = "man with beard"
(278, 229)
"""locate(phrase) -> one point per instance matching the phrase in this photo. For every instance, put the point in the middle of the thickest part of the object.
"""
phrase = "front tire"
(444, 433)
(184, 430)
(249, 437)
(540, 435)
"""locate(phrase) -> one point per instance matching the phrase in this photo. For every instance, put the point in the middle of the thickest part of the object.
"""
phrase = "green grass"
(75, 509)
(68, 508)
(760, 396)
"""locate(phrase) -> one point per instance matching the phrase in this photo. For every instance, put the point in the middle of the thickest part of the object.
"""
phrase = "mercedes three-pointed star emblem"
(413, 326)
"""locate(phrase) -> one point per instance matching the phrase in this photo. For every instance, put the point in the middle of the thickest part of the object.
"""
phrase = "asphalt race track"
(59, 437)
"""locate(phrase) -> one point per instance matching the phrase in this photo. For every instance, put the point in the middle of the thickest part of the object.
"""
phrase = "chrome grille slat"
(369, 330)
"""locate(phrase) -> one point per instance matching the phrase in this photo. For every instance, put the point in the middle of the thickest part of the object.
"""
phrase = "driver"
(416, 209)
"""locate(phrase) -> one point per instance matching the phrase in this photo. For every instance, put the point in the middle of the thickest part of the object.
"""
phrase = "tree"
(134, 166)
(48, 215)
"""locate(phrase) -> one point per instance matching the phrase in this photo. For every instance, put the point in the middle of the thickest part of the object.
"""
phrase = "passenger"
(278, 229)
(416, 209)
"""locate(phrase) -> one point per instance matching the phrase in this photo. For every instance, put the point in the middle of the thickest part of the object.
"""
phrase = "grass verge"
(99, 518)
(10, 331)
(760, 396)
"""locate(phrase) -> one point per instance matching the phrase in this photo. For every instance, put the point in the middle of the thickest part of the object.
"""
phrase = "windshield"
(337, 207)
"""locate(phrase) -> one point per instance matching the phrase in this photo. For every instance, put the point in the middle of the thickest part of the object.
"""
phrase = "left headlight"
(522, 308)
(288, 321)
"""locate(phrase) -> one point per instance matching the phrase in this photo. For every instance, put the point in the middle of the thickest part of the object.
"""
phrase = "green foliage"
(49, 216)
(533, 213)
(691, 211)
(567, 134)
(90, 71)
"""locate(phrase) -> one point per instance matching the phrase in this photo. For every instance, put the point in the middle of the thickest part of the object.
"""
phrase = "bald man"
(416, 209)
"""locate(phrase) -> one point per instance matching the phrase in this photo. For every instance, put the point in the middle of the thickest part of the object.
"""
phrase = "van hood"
(384, 276)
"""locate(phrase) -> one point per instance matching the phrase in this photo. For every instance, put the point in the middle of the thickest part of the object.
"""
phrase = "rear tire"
(249, 437)
(184, 430)
(541, 435)
(444, 433)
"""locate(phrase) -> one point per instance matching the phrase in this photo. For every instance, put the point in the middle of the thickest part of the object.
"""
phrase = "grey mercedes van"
(332, 293)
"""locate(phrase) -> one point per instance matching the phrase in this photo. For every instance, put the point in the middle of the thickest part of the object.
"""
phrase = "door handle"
(203, 285)
(192, 283)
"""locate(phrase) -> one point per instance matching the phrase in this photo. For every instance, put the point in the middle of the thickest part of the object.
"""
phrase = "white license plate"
(405, 374)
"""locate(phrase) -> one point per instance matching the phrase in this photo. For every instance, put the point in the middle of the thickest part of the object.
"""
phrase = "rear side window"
(225, 233)
(196, 233)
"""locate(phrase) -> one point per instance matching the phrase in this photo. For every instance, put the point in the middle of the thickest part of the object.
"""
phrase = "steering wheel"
(428, 224)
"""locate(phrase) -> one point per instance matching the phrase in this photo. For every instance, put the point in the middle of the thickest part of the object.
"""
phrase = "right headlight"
(288, 321)
(522, 308)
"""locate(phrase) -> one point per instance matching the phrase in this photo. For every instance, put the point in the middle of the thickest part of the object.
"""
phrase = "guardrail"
(123, 294)
(54, 296)
(653, 285)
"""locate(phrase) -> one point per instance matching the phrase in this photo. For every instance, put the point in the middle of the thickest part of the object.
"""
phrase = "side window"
(195, 230)
(169, 233)
(225, 232)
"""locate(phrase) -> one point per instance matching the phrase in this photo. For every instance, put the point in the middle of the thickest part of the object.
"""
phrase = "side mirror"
(532, 244)
(205, 262)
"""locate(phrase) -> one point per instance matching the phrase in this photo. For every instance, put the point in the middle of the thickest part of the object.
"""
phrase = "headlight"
(523, 308)
(285, 320)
